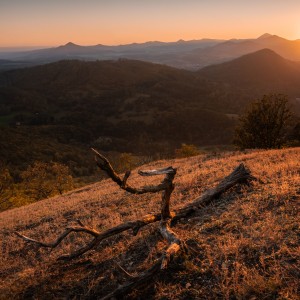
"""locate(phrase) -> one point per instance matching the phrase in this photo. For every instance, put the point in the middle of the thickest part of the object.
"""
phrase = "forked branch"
(166, 218)
(239, 175)
(103, 163)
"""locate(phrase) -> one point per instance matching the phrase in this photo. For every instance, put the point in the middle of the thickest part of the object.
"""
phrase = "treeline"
(39, 181)
(42, 180)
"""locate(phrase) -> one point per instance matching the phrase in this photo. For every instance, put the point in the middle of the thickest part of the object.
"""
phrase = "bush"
(187, 150)
(6, 183)
(265, 124)
(42, 180)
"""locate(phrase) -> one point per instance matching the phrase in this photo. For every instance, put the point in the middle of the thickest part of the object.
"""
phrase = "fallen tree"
(240, 175)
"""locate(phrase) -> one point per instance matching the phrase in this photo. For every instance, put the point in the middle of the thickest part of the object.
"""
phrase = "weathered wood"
(173, 240)
(239, 175)
(103, 163)
(166, 195)
(68, 230)
(99, 236)
(136, 282)
(168, 170)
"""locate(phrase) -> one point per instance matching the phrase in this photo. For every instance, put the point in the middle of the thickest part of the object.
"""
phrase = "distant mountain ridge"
(192, 55)
(232, 49)
(152, 51)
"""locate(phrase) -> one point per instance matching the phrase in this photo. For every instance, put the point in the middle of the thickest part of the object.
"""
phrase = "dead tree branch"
(103, 163)
(136, 282)
(166, 218)
(240, 174)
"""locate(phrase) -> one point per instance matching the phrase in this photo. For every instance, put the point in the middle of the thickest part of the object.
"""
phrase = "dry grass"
(245, 246)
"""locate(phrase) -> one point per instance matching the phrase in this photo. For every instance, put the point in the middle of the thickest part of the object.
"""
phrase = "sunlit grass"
(245, 246)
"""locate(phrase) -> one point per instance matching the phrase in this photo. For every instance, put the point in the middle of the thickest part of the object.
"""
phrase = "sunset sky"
(90, 22)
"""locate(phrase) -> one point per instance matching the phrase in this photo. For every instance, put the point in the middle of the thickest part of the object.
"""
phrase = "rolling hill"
(138, 107)
(261, 72)
(57, 111)
(263, 69)
(243, 246)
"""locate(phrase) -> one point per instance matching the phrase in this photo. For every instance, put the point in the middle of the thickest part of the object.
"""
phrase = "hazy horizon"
(36, 47)
(39, 24)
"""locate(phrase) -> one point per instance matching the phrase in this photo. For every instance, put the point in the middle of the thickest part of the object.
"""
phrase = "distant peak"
(265, 51)
(262, 54)
(264, 36)
(70, 44)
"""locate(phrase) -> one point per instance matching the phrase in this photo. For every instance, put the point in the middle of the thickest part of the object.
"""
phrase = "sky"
(29, 23)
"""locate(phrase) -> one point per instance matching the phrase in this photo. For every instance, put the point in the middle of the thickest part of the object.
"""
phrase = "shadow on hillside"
(93, 275)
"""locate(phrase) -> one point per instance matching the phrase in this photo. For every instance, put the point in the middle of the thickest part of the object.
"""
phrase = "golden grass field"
(245, 245)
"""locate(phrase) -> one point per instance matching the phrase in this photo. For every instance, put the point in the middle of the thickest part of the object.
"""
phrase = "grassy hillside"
(243, 246)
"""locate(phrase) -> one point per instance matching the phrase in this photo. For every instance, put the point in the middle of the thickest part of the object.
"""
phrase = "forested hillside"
(58, 111)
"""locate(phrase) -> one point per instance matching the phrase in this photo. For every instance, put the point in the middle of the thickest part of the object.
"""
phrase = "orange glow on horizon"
(115, 22)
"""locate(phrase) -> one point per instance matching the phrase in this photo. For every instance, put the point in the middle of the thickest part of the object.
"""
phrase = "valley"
(59, 110)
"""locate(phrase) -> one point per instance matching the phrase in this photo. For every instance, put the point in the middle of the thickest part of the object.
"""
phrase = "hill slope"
(263, 70)
(244, 245)
(57, 111)
(138, 107)
(258, 73)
